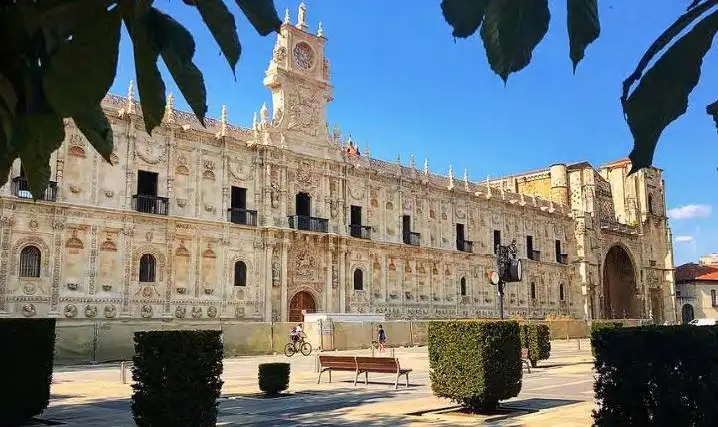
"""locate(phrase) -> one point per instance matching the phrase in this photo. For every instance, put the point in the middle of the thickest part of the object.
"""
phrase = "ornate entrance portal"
(301, 301)
(619, 286)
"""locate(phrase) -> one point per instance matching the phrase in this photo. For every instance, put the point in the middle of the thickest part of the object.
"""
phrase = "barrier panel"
(246, 338)
(115, 340)
(74, 343)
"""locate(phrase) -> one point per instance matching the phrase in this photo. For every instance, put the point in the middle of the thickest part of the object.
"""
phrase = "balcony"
(21, 189)
(534, 255)
(562, 258)
(309, 223)
(360, 231)
(465, 246)
(412, 238)
(242, 216)
(150, 204)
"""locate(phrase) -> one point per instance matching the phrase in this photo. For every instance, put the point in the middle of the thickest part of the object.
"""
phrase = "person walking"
(382, 339)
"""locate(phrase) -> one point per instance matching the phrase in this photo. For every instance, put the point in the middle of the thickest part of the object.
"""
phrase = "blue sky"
(403, 85)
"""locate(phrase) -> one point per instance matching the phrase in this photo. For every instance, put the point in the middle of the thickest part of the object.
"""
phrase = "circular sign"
(494, 278)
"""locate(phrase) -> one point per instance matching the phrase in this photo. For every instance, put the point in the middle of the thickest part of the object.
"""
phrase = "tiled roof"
(696, 272)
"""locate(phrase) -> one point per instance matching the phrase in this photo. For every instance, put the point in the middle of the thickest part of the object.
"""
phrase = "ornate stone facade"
(216, 256)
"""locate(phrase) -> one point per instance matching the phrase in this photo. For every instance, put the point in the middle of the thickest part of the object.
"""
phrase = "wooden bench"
(362, 365)
(336, 363)
(383, 365)
(525, 359)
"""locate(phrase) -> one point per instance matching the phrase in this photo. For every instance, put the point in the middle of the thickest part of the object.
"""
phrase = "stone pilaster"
(284, 283)
(6, 225)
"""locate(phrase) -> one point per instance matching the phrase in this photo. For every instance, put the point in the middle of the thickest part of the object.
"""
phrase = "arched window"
(462, 286)
(148, 268)
(533, 290)
(358, 280)
(30, 262)
(561, 294)
(240, 273)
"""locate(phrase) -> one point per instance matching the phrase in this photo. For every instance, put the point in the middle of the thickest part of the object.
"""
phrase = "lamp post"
(508, 270)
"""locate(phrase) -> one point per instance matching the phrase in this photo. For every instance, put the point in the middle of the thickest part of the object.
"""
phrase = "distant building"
(696, 289)
(287, 217)
(710, 259)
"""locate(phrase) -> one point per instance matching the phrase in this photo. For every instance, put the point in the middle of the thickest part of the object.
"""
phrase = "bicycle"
(299, 346)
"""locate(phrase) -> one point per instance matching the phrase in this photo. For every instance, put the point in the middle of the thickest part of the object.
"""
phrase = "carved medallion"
(146, 311)
(70, 310)
(196, 312)
(90, 311)
(110, 311)
(28, 310)
(180, 312)
(212, 312)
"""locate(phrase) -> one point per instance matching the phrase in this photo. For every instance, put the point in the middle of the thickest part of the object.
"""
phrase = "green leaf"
(662, 94)
(8, 154)
(712, 109)
(511, 31)
(149, 81)
(94, 125)
(583, 27)
(89, 52)
(220, 22)
(663, 40)
(261, 14)
(37, 136)
(8, 102)
(464, 16)
(177, 48)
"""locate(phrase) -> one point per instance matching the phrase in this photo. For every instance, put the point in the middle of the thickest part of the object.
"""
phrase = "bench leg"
(330, 375)
(356, 378)
(366, 378)
(396, 383)
(407, 380)
(320, 376)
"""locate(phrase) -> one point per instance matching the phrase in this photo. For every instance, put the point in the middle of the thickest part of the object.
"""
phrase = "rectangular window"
(558, 251)
(406, 223)
(530, 247)
(147, 183)
(497, 240)
(239, 198)
(355, 215)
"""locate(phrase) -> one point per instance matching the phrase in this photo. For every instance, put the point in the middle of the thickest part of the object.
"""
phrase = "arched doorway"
(687, 313)
(619, 286)
(301, 301)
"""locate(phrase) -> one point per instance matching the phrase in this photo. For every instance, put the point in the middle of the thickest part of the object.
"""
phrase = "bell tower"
(298, 76)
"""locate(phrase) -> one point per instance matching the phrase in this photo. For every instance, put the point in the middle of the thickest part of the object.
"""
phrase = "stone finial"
(466, 179)
(533, 198)
(223, 123)
(367, 153)
(451, 177)
(169, 109)
(302, 17)
(522, 202)
(287, 18)
(336, 132)
(264, 115)
(412, 161)
(255, 123)
(320, 30)
(503, 193)
(488, 187)
(282, 141)
(131, 98)
(398, 159)
(426, 166)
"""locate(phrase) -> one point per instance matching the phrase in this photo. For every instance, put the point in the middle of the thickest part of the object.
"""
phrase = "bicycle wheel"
(289, 350)
(306, 349)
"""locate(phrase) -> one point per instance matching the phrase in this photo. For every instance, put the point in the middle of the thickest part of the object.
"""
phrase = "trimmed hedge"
(656, 375)
(27, 351)
(273, 378)
(475, 363)
(537, 339)
(177, 378)
(600, 326)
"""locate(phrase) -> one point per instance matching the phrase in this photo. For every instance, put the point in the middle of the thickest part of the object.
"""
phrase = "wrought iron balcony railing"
(412, 238)
(150, 204)
(562, 258)
(534, 255)
(242, 216)
(360, 231)
(20, 188)
(465, 245)
(309, 223)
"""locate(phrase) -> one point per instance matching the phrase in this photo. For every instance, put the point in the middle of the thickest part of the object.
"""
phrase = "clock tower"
(298, 76)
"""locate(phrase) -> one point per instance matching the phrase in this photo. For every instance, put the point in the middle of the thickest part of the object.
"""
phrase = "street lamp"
(508, 270)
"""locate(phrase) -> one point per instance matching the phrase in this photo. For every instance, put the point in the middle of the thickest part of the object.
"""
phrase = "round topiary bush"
(273, 378)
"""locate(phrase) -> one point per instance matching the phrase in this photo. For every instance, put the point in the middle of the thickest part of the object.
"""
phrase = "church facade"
(263, 223)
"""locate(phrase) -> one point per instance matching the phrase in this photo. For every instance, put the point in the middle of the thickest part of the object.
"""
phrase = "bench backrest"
(338, 362)
(378, 364)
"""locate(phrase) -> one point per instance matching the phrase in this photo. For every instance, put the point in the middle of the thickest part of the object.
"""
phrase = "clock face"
(303, 55)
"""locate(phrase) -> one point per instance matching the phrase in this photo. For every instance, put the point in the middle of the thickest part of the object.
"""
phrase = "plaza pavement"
(559, 393)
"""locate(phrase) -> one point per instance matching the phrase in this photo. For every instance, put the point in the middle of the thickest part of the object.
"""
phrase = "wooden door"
(301, 301)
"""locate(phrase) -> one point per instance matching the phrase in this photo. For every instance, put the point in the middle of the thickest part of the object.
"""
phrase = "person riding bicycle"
(296, 333)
